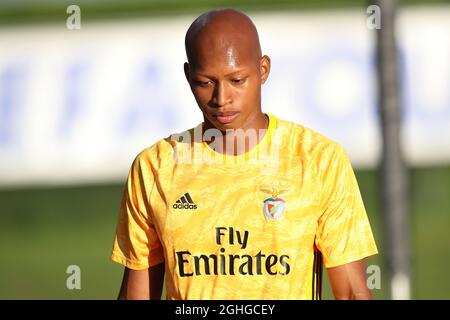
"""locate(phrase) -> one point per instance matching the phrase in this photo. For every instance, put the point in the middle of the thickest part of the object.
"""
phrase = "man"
(245, 205)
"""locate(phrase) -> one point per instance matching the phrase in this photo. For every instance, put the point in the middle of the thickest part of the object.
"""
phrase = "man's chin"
(223, 126)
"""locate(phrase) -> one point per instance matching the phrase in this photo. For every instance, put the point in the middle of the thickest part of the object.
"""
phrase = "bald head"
(228, 32)
(226, 70)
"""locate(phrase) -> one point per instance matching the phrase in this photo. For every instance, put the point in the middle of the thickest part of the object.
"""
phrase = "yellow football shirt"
(251, 226)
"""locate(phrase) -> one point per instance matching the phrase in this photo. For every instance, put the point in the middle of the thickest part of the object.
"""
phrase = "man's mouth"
(226, 117)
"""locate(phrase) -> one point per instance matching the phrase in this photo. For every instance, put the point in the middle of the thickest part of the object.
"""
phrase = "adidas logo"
(185, 202)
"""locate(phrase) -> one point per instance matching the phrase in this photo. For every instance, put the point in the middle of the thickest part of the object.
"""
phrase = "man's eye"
(238, 81)
(203, 83)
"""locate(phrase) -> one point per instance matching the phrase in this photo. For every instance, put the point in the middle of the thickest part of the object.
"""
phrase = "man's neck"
(242, 140)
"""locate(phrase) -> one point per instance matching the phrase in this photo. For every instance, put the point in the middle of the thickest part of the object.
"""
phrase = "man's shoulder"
(306, 140)
(164, 147)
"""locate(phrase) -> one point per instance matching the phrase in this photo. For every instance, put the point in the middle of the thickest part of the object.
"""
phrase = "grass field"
(44, 230)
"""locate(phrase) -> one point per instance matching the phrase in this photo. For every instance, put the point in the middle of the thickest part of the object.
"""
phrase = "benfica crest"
(274, 206)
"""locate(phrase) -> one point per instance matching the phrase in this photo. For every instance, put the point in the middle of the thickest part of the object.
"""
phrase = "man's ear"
(186, 71)
(264, 68)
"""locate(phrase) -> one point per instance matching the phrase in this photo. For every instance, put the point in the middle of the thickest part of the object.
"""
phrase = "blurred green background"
(45, 229)
(32, 11)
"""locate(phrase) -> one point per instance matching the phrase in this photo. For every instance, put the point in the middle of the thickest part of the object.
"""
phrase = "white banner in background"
(77, 106)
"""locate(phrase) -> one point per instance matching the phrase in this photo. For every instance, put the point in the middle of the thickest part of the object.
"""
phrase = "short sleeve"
(136, 244)
(344, 233)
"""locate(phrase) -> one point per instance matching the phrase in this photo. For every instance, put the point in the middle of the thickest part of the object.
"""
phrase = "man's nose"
(222, 94)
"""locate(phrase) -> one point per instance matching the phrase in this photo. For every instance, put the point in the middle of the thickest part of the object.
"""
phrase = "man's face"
(226, 83)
